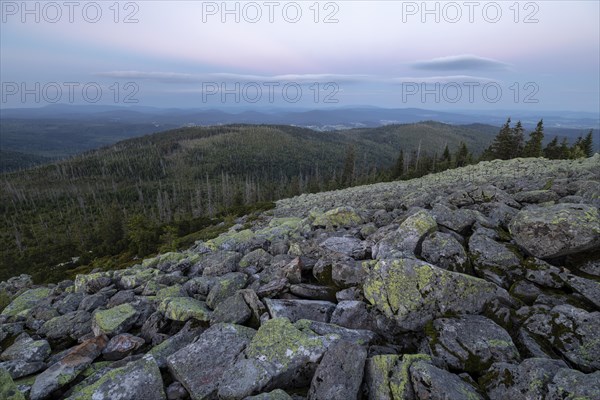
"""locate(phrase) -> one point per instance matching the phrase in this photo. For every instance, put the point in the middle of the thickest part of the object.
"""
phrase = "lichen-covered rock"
(245, 377)
(527, 380)
(173, 344)
(135, 277)
(571, 384)
(26, 300)
(347, 273)
(283, 228)
(92, 283)
(67, 369)
(470, 343)
(8, 389)
(348, 246)
(295, 310)
(26, 349)
(407, 238)
(137, 380)
(340, 372)
(242, 241)
(217, 263)
(233, 310)
(169, 291)
(353, 314)
(444, 251)
(571, 332)
(431, 382)
(121, 297)
(69, 303)
(200, 365)
(92, 302)
(413, 292)
(184, 308)
(114, 320)
(536, 196)
(586, 287)
(70, 326)
(387, 376)
(458, 220)
(19, 368)
(255, 261)
(544, 274)
(493, 261)
(279, 356)
(224, 287)
(378, 371)
(170, 258)
(290, 270)
(341, 217)
(561, 229)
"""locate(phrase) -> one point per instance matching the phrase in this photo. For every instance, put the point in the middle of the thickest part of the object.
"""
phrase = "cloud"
(460, 79)
(224, 77)
(176, 77)
(460, 62)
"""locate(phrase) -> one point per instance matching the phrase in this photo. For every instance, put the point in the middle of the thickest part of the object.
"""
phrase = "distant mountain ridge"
(59, 131)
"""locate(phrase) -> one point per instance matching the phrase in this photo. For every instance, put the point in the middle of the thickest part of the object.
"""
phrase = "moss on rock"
(114, 320)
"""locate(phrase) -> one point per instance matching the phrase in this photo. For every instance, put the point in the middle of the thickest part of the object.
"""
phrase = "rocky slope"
(476, 283)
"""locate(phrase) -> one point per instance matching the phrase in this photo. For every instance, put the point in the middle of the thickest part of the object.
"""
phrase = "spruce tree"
(502, 147)
(533, 147)
(564, 152)
(517, 140)
(552, 151)
(398, 170)
(462, 155)
(587, 144)
(446, 154)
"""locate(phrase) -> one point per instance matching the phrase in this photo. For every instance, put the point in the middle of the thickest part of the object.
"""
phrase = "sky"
(475, 55)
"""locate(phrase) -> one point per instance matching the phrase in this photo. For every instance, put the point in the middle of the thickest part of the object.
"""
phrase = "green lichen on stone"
(228, 240)
(411, 291)
(169, 291)
(278, 341)
(123, 381)
(400, 381)
(420, 222)
(184, 308)
(136, 277)
(295, 250)
(283, 228)
(379, 371)
(171, 258)
(109, 321)
(8, 389)
(82, 280)
(338, 217)
(392, 290)
(26, 301)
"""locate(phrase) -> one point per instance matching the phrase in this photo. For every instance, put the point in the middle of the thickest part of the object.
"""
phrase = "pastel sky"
(542, 55)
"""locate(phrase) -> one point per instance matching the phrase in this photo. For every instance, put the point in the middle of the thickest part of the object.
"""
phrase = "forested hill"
(139, 194)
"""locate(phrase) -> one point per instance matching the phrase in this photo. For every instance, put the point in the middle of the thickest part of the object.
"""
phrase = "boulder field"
(475, 283)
